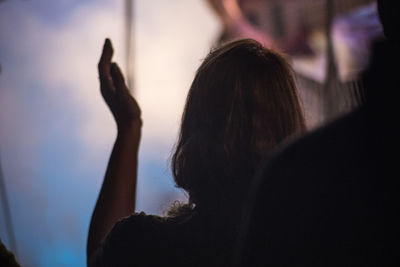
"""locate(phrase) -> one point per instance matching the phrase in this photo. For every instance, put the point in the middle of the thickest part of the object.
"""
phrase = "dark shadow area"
(7, 258)
(331, 198)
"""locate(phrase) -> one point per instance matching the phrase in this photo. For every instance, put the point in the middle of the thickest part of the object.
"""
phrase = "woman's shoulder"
(132, 238)
(142, 219)
(136, 226)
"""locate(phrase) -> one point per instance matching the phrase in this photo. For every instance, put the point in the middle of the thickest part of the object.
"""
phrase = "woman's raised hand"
(123, 106)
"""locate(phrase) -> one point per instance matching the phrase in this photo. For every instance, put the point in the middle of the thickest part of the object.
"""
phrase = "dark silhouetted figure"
(332, 197)
(241, 105)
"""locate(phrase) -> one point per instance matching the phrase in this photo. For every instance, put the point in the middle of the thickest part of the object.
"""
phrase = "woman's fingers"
(105, 59)
(117, 77)
(104, 66)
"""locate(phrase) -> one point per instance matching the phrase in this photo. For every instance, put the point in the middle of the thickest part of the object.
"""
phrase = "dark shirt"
(146, 240)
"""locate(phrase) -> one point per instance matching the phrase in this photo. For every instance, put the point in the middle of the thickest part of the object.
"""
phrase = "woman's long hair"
(242, 103)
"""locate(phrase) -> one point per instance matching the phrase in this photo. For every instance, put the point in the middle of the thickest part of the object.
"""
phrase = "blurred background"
(56, 132)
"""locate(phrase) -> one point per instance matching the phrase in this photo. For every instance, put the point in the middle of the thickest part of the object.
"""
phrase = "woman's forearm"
(118, 192)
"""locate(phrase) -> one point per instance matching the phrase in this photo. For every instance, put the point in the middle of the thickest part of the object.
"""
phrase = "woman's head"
(241, 104)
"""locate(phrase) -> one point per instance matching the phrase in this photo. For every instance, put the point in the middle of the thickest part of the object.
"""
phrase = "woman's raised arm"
(118, 192)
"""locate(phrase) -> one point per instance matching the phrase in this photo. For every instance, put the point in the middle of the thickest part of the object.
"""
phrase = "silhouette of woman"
(241, 105)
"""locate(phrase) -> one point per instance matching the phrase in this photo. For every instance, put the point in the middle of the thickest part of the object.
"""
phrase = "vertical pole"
(129, 43)
(329, 94)
(129, 53)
